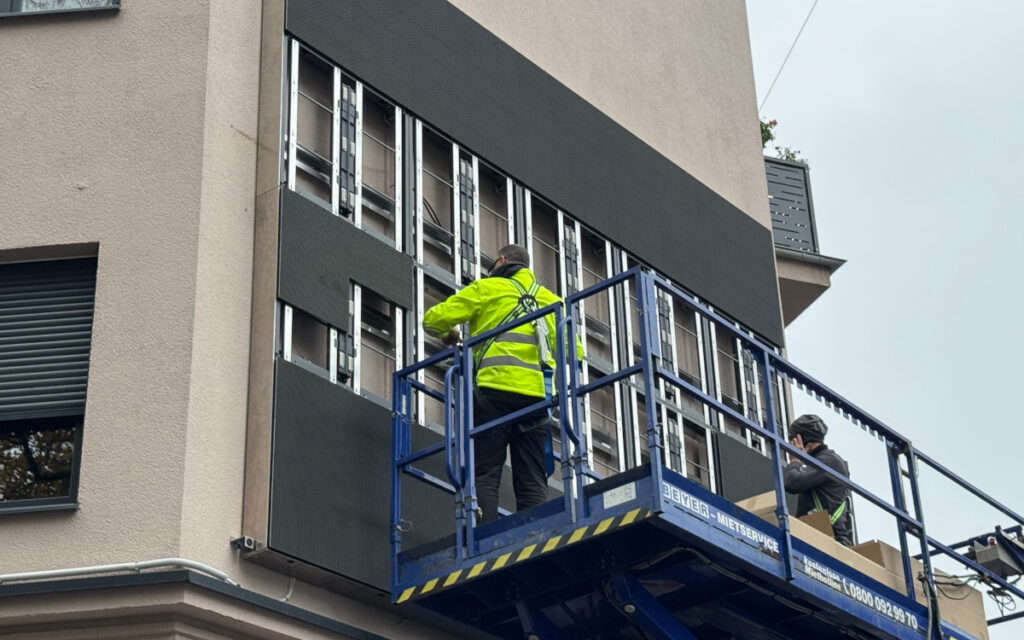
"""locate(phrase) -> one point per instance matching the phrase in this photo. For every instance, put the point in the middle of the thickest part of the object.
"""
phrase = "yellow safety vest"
(512, 362)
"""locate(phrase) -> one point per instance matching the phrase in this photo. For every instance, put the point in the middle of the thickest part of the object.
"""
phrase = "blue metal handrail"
(456, 445)
(570, 394)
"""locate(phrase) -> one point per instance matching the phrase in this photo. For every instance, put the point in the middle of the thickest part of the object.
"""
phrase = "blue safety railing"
(903, 459)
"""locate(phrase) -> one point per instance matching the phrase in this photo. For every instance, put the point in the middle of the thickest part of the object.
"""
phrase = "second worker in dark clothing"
(817, 490)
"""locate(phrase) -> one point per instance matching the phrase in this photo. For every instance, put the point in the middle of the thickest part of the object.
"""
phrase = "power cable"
(786, 59)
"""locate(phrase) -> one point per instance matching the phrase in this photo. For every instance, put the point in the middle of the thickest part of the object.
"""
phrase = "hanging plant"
(767, 133)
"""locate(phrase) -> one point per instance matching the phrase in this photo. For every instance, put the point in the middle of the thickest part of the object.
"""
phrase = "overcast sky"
(911, 115)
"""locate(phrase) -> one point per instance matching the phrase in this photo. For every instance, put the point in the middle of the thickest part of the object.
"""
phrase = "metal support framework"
(399, 183)
(476, 218)
(293, 98)
(646, 611)
(356, 131)
(454, 212)
(286, 339)
(356, 315)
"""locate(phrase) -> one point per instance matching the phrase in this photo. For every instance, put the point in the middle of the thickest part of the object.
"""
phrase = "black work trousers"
(526, 439)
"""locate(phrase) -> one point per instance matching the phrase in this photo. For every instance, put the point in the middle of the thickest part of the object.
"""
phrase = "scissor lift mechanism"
(648, 553)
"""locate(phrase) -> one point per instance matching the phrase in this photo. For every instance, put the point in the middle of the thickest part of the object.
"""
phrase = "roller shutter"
(46, 311)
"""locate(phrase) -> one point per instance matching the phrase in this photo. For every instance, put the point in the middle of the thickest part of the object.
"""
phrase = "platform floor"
(708, 564)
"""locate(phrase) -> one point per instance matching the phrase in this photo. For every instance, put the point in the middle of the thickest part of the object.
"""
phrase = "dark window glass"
(38, 458)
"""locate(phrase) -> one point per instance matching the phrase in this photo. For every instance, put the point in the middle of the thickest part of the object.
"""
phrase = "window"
(728, 366)
(377, 328)
(23, 7)
(313, 345)
(686, 331)
(431, 292)
(597, 309)
(698, 455)
(738, 385)
(310, 339)
(46, 311)
(781, 402)
(544, 244)
(495, 226)
(437, 182)
(363, 357)
(321, 106)
(344, 146)
(380, 201)
(604, 431)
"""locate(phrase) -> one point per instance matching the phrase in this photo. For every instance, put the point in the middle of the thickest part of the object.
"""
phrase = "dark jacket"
(805, 480)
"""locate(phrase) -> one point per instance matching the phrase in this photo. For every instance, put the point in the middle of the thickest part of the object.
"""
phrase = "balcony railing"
(792, 209)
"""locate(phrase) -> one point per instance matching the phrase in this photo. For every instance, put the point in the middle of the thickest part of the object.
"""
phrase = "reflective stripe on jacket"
(512, 362)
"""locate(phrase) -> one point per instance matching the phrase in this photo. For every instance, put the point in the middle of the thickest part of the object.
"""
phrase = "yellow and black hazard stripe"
(520, 555)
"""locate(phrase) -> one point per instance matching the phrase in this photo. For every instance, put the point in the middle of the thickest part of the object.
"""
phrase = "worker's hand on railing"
(452, 337)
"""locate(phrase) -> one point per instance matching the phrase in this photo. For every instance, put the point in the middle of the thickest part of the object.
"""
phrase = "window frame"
(356, 331)
(11, 11)
(52, 418)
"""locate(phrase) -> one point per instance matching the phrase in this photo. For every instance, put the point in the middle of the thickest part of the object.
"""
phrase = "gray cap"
(809, 427)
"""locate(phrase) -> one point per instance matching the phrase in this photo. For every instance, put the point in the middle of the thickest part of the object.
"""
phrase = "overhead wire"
(786, 59)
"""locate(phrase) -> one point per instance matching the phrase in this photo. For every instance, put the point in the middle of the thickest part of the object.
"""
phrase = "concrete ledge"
(126, 601)
(803, 278)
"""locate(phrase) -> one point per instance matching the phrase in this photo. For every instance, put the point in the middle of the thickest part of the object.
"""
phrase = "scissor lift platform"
(648, 553)
(700, 567)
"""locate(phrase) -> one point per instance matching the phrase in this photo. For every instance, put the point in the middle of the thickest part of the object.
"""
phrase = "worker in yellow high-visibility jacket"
(508, 376)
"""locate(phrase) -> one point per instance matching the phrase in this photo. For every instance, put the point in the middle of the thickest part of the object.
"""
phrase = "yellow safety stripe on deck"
(406, 594)
(601, 528)
(500, 562)
(452, 577)
(430, 585)
(526, 553)
(551, 544)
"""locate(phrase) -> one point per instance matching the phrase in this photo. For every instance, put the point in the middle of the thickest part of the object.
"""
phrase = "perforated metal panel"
(789, 197)
(46, 311)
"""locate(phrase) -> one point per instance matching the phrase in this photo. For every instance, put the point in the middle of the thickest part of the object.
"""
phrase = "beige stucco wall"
(676, 73)
(103, 118)
(137, 130)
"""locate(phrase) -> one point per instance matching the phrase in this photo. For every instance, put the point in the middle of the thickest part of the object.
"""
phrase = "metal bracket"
(248, 546)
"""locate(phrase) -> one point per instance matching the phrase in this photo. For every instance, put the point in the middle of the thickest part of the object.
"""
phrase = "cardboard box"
(816, 530)
(961, 605)
(802, 530)
(819, 521)
(872, 550)
(761, 505)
